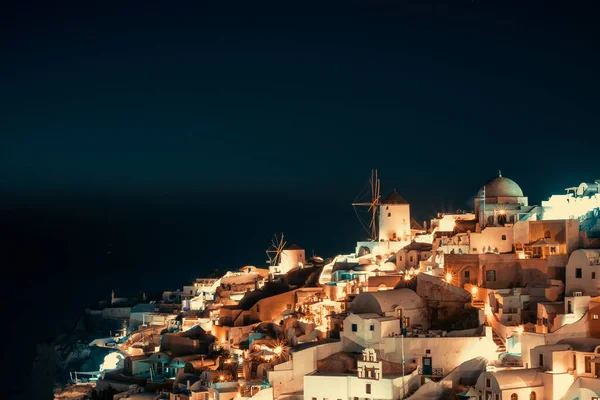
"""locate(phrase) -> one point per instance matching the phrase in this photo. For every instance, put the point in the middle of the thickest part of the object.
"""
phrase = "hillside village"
(499, 303)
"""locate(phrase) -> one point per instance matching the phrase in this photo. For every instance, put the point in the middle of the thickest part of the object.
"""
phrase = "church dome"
(500, 187)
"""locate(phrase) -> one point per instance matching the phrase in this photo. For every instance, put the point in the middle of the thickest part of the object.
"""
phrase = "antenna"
(374, 203)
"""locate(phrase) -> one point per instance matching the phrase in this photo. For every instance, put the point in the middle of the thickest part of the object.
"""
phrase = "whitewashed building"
(368, 383)
(583, 272)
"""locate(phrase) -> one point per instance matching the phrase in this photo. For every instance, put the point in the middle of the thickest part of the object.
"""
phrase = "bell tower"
(369, 367)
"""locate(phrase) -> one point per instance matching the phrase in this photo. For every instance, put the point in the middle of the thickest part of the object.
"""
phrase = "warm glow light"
(474, 290)
(112, 361)
(277, 350)
(501, 211)
(221, 378)
(448, 277)
(520, 329)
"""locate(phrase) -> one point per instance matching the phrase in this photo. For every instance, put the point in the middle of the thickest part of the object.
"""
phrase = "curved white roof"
(518, 378)
(386, 301)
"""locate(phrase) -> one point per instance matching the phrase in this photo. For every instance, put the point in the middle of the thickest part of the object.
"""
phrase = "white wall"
(530, 340)
(446, 352)
(289, 376)
(492, 237)
(394, 219)
(347, 387)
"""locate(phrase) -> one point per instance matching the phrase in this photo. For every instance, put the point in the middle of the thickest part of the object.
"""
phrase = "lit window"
(578, 273)
(595, 316)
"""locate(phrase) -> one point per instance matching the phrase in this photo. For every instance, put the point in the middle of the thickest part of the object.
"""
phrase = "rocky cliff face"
(68, 352)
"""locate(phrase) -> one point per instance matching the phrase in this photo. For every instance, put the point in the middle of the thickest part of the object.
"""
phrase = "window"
(497, 396)
(541, 360)
(514, 396)
(588, 364)
(467, 274)
(257, 307)
(593, 275)
(368, 388)
(547, 235)
(578, 273)
(574, 361)
(553, 249)
(314, 398)
(389, 214)
(474, 248)
(532, 396)
(488, 382)
(503, 237)
(595, 316)
(400, 258)
(490, 275)
(354, 328)
(372, 328)
(411, 258)
(387, 208)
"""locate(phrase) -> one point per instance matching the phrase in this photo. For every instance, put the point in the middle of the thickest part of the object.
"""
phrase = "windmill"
(274, 252)
(373, 205)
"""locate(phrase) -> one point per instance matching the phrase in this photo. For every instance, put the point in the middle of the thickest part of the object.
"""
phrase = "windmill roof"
(394, 198)
(415, 225)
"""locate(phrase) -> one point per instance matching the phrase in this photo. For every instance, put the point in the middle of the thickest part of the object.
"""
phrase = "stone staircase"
(499, 342)
(478, 304)
(240, 370)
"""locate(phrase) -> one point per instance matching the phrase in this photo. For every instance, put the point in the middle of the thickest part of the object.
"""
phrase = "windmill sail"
(373, 204)
(274, 252)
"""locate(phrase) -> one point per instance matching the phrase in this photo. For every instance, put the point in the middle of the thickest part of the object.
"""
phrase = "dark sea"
(59, 256)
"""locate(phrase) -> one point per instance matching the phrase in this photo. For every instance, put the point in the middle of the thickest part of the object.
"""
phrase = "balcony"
(435, 372)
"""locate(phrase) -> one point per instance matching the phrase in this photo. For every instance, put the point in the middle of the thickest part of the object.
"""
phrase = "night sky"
(180, 137)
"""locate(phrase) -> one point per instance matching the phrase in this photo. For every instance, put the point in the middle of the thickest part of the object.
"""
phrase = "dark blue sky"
(152, 99)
